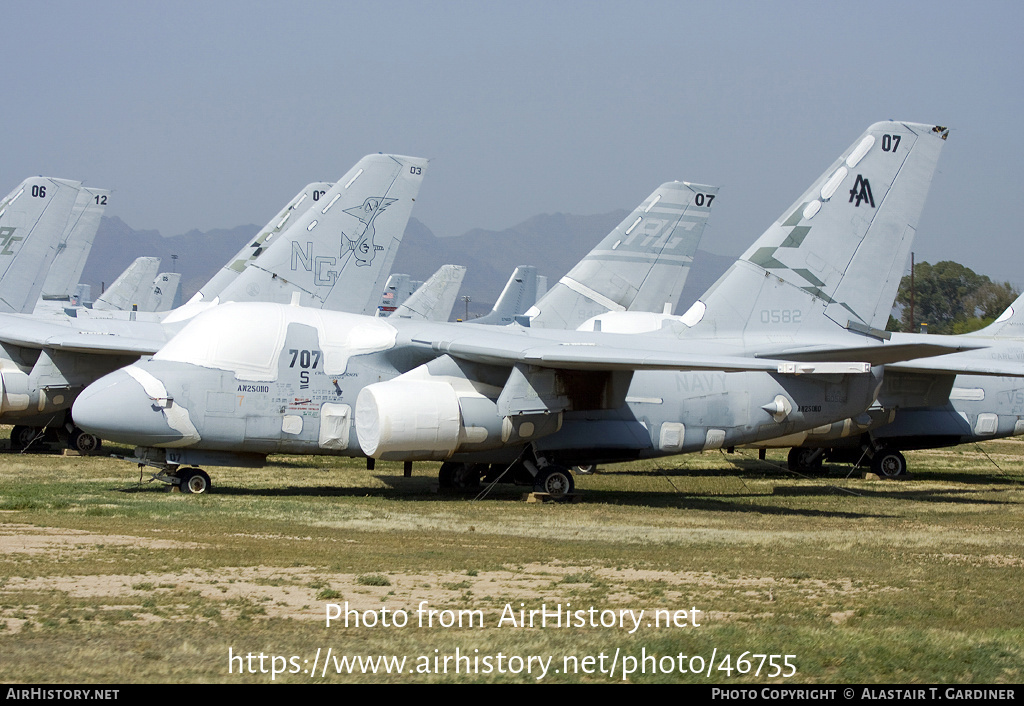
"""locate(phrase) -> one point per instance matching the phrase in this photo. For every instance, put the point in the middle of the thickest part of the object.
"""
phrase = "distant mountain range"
(551, 242)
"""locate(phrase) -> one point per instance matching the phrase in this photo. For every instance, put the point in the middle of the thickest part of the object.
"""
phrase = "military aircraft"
(331, 248)
(434, 299)
(397, 289)
(33, 219)
(165, 292)
(131, 288)
(778, 345)
(522, 291)
(76, 241)
(929, 404)
(140, 288)
(641, 266)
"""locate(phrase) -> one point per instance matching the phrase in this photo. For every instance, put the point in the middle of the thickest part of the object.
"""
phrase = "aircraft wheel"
(84, 443)
(804, 460)
(889, 463)
(586, 469)
(22, 436)
(446, 475)
(466, 476)
(555, 481)
(194, 481)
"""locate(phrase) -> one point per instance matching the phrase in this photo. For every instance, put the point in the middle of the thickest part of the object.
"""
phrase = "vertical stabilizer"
(32, 219)
(305, 200)
(835, 258)
(435, 298)
(339, 253)
(640, 266)
(164, 293)
(519, 294)
(133, 287)
(1009, 324)
(397, 289)
(75, 243)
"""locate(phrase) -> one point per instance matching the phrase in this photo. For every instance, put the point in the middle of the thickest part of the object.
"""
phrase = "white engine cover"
(413, 419)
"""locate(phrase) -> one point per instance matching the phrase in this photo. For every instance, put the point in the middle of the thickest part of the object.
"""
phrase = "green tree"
(951, 298)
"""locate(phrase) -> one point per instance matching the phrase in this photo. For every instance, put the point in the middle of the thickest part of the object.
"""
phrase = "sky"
(205, 115)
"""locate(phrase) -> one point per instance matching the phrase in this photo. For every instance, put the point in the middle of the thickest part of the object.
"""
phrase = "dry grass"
(106, 580)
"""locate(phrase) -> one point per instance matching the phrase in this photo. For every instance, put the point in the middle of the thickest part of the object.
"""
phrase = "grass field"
(104, 579)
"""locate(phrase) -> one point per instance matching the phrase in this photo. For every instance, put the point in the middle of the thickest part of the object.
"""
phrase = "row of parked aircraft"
(282, 351)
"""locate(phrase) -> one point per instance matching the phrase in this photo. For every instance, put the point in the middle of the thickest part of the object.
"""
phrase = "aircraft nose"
(118, 408)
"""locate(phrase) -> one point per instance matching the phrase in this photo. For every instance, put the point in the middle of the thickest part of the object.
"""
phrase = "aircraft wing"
(961, 365)
(509, 349)
(34, 333)
(883, 354)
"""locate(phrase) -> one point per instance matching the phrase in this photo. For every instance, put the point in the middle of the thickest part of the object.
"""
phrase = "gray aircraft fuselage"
(302, 397)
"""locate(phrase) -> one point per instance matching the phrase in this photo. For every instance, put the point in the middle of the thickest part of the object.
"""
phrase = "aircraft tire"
(556, 481)
(889, 463)
(446, 475)
(84, 443)
(194, 481)
(585, 469)
(467, 476)
(22, 436)
(801, 460)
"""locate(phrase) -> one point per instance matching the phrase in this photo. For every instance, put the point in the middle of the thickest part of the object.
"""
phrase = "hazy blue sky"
(211, 114)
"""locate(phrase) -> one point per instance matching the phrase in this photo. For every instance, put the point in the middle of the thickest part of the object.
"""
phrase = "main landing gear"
(889, 463)
(552, 479)
(807, 461)
(885, 461)
(26, 438)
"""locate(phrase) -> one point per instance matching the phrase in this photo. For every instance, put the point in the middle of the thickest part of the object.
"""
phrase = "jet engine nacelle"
(14, 390)
(429, 420)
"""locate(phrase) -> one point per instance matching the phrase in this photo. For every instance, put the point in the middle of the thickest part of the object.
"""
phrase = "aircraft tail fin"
(435, 298)
(32, 219)
(1009, 324)
(338, 254)
(640, 266)
(397, 289)
(834, 259)
(164, 292)
(75, 243)
(303, 201)
(519, 294)
(132, 287)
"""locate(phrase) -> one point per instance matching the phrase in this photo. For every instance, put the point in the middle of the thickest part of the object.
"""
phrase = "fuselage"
(275, 379)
